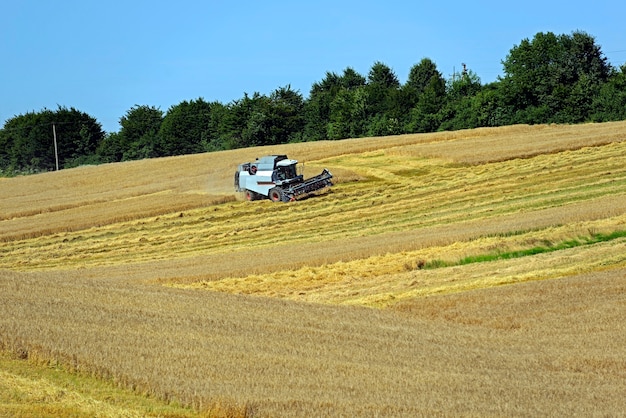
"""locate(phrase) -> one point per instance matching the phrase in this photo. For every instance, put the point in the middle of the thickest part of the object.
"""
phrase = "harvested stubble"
(84, 291)
(438, 356)
(391, 278)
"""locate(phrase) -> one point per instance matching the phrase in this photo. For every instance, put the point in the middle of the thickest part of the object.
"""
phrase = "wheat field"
(476, 273)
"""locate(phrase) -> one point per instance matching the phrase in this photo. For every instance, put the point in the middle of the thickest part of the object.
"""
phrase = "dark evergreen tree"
(424, 95)
(422, 74)
(425, 115)
(351, 80)
(286, 108)
(317, 109)
(381, 81)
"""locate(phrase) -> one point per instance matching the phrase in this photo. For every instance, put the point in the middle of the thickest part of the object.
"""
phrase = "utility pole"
(56, 153)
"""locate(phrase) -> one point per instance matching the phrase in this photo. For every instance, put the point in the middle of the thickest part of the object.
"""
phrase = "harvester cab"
(276, 177)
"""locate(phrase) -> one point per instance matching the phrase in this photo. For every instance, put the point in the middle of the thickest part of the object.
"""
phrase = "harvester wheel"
(276, 194)
(249, 195)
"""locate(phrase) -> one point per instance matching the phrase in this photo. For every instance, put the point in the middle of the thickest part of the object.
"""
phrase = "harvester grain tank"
(275, 177)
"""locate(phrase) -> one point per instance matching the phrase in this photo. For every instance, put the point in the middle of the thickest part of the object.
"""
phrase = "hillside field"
(468, 273)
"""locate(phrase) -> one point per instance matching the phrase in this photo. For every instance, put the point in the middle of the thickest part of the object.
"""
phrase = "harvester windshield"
(286, 172)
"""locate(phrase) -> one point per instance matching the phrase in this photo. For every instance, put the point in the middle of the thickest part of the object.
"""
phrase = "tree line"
(550, 79)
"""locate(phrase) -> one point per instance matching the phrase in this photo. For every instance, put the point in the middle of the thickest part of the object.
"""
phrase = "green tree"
(347, 114)
(188, 128)
(28, 140)
(425, 93)
(215, 140)
(317, 109)
(246, 122)
(112, 148)
(553, 78)
(421, 76)
(425, 115)
(78, 136)
(28, 143)
(459, 110)
(260, 120)
(5, 152)
(381, 81)
(610, 103)
(383, 100)
(487, 105)
(139, 133)
(286, 108)
(383, 76)
(351, 80)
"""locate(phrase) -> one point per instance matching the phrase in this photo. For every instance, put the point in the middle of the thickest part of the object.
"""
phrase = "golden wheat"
(387, 203)
(292, 359)
(266, 308)
(393, 277)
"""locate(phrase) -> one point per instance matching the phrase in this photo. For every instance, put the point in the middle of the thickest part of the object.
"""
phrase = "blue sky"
(104, 57)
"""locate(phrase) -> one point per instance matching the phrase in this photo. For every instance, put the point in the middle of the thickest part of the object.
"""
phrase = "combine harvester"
(275, 177)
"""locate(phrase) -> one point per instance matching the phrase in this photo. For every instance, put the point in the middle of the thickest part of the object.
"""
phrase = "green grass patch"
(481, 258)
